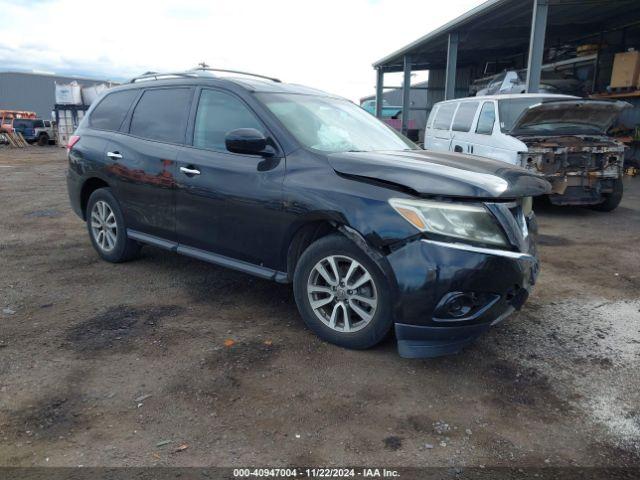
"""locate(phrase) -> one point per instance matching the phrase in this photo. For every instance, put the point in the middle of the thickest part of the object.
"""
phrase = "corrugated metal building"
(532, 35)
(424, 95)
(34, 91)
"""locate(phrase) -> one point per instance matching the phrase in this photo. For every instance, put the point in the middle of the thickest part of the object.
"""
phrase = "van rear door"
(428, 131)
(441, 130)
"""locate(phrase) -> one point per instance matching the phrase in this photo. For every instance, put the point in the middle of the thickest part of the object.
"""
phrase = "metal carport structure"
(499, 29)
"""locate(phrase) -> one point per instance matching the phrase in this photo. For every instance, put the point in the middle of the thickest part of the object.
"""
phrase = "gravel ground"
(171, 361)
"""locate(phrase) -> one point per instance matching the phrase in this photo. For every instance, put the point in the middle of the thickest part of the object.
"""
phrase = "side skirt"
(246, 267)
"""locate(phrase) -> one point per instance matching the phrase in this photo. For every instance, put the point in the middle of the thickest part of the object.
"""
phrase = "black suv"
(292, 184)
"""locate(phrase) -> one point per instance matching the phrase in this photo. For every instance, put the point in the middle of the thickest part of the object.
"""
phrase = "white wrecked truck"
(560, 137)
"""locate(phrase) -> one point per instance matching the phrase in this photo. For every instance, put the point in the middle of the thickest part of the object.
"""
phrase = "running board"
(221, 260)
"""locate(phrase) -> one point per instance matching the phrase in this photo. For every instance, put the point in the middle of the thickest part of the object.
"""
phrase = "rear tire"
(611, 200)
(352, 308)
(107, 230)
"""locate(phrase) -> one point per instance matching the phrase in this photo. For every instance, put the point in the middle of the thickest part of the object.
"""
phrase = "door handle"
(114, 155)
(189, 171)
(457, 149)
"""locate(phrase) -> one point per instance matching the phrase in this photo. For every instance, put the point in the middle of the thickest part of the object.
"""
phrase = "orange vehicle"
(7, 117)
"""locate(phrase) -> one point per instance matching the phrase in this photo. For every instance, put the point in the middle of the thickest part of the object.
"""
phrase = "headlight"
(458, 220)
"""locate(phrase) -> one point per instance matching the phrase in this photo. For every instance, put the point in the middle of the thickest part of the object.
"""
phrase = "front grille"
(580, 160)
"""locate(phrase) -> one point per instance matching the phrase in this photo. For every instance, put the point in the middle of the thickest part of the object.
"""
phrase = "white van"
(561, 137)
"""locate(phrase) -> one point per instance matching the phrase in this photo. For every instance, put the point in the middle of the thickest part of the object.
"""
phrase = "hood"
(598, 115)
(442, 174)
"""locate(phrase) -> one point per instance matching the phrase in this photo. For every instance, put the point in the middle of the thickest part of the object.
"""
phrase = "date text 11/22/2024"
(315, 473)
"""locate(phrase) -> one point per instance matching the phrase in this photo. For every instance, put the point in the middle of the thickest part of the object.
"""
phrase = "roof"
(507, 96)
(257, 85)
(502, 27)
(252, 84)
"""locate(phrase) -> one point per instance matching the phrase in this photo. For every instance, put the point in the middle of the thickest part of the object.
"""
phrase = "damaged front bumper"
(581, 170)
(450, 293)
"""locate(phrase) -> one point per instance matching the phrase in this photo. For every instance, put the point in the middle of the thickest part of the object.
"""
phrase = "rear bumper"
(74, 188)
(428, 274)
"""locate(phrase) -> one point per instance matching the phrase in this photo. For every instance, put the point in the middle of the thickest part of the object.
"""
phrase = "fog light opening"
(461, 306)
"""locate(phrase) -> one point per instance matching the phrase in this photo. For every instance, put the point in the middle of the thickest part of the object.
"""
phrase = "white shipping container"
(68, 94)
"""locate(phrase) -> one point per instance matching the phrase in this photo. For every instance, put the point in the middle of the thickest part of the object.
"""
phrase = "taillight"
(73, 139)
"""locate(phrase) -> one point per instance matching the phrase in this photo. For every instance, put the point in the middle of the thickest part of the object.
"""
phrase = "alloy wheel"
(104, 226)
(342, 293)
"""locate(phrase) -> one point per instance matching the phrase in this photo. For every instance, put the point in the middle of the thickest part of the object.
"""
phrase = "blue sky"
(328, 45)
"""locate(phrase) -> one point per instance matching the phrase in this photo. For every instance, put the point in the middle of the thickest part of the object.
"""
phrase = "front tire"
(611, 200)
(43, 139)
(107, 230)
(341, 293)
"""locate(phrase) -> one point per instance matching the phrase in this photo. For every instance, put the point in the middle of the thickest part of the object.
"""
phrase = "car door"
(442, 127)
(142, 161)
(461, 137)
(227, 203)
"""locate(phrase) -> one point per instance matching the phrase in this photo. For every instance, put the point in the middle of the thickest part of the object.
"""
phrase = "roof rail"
(209, 69)
(159, 76)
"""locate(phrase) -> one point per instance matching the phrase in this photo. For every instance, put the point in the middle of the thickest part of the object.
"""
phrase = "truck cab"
(560, 137)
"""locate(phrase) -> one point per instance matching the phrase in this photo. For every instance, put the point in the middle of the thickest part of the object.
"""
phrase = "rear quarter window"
(161, 114)
(110, 112)
(444, 116)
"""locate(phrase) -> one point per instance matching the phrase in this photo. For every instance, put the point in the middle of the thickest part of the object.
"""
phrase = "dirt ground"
(128, 365)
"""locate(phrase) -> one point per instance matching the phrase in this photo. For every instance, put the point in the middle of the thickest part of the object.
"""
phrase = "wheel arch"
(306, 233)
(89, 186)
(315, 228)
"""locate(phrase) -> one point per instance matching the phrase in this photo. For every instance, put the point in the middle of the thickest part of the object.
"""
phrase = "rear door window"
(161, 114)
(38, 124)
(110, 113)
(464, 116)
(486, 119)
(218, 114)
(444, 116)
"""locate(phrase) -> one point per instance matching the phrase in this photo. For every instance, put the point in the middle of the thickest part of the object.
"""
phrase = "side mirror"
(248, 141)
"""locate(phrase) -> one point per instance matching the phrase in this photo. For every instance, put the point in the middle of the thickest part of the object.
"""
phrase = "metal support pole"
(452, 60)
(596, 68)
(406, 94)
(379, 87)
(536, 44)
